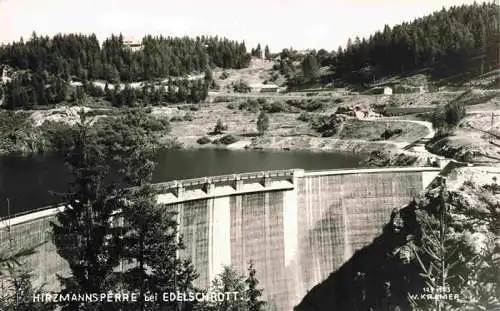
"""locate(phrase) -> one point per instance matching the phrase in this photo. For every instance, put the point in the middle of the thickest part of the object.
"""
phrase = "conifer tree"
(310, 67)
(253, 293)
(151, 238)
(209, 78)
(267, 54)
(258, 51)
(84, 234)
(229, 281)
(436, 250)
(262, 123)
(452, 265)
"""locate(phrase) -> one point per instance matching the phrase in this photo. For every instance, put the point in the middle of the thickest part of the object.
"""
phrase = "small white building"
(132, 44)
(264, 88)
(5, 75)
(381, 90)
(75, 83)
(270, 88)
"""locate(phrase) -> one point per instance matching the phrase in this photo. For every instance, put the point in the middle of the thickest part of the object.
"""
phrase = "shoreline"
(295, 136)
(335, 146)
(315, 144)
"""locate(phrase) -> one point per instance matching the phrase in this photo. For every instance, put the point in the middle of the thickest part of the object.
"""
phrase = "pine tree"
(436, 248)
(479, 284)
(267, 54)
(60, 89)
(253, 293)
(128, 96)
(229, 281)
(151, 244)
(150, 234)
(449, 260)
(310, 67)
(257, 52)
(106, 88)
(84, 234)
(208, 78)
(262, 123)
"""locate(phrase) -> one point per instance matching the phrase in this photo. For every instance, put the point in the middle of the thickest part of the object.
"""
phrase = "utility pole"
(491, 127)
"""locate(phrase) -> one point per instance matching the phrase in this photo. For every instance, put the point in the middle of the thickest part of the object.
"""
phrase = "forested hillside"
(448, 40)
(82, 56)
(459, 40)
(43, 66)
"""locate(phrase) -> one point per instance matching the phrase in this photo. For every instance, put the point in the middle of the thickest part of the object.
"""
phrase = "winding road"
(417, 147)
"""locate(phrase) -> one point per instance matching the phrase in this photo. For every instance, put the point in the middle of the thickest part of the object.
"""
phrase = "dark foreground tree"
(152, 245)
(437, 252)
(84, 234)
(151, 242)
(460, 256)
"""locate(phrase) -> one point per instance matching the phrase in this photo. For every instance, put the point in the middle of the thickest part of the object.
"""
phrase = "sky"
(301, 24)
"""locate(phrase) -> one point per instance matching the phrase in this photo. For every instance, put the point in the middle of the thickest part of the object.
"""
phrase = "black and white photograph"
(228, 155)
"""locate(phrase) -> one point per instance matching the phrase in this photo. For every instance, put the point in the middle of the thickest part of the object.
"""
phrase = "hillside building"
(269, 88)
(402, 89)
(6, 71)
(264, 88)
(381, 90)
(134, 45)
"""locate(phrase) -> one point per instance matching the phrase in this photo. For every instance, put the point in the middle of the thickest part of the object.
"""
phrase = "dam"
(296, 226)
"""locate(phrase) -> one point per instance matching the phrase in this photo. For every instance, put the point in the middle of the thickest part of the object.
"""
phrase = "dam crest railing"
(175, 186)
(236, 181)
(227, 178)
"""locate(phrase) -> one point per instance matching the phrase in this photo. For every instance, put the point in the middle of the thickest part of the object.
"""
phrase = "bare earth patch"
(68, 115)
(477, 138)
(287, 132)
(258, 71)
(372, 130)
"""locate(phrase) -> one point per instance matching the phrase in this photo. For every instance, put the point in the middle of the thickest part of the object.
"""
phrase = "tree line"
(257, 52)
(143, 238)
(446, 40)
(173, 92)
(29, 90)
(43, 67)
(461, 39)
(82, 56)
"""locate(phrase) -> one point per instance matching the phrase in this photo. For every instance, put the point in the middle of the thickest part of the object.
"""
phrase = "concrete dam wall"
(296, 226)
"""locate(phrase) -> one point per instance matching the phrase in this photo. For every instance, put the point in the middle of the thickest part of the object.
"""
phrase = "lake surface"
(27, 182)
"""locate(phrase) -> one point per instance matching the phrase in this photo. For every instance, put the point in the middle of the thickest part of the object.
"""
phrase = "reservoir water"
(27, 182)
